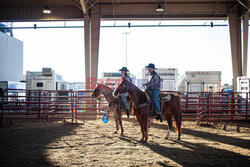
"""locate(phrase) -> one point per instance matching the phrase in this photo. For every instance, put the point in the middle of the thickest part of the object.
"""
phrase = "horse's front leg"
(120, 121)
(146, 127)
(116, 122)
(139, 119)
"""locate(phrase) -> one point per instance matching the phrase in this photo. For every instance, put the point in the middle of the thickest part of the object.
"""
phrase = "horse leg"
(116, 123)
(177, 117)
(141, 125)
(170, 124)
(120, 122)
(149, 123)
(146, 129)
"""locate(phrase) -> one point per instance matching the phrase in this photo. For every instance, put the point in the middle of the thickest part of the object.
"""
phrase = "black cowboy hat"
(124, 69)
(151, 65)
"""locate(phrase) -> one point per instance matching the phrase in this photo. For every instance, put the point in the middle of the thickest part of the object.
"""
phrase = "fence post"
(2, 106)
(233, 107)
(28, 103)
(198, 109)
(75, 102)
(39, 104)
(72, 107)
(247, 98)
(213, 106)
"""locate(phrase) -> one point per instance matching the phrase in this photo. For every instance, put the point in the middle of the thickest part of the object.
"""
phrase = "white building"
(44, 80)
(200, 81)
(11, 58)
(169, 78)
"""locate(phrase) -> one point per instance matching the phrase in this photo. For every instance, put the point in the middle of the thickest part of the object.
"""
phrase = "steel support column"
(245, 44)
(235, 40)
(95, 34)
(87, 37)
(92, 33)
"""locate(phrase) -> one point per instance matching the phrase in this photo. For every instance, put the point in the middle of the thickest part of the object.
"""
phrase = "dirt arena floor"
(94, 144)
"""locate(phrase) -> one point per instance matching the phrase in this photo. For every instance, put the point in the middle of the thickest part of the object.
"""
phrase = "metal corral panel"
(11, 58)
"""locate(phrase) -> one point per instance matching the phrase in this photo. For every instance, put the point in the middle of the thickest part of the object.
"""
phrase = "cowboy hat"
(151, 65)
(124, 69)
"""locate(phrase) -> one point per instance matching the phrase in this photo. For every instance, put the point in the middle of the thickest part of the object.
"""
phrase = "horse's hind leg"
(120, 122)
(145, 128)
(178, 124)
(170, 124)
(116, 123)
(141, 125)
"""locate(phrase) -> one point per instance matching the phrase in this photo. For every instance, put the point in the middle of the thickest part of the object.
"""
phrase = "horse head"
(123, 87)
(97, 91)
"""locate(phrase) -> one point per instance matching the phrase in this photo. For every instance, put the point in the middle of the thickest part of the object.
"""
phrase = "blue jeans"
(124, 100)
(155, 94)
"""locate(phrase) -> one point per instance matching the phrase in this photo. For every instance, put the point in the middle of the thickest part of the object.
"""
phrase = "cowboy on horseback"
(154, 85)
(124, 73)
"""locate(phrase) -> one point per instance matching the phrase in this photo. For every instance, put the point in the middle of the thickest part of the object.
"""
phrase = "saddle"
(120, 105)
(163, 97)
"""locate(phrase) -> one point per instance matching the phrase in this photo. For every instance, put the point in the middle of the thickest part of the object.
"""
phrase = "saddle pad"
(166, 97)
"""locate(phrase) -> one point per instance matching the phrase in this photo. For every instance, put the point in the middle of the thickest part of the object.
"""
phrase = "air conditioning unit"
(47, 71)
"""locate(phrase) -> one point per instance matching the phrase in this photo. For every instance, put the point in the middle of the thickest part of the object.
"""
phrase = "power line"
(116, 26)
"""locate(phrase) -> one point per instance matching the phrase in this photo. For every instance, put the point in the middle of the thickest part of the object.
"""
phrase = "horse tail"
(179, 113)
(177, 95)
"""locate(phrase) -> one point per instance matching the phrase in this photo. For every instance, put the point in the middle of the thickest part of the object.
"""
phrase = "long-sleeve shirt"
(155, 82)
(128, 78)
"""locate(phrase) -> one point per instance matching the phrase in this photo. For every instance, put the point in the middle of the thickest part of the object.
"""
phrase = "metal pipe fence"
(202, 107)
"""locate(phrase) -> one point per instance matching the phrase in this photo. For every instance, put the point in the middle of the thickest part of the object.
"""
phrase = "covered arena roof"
(31, 10)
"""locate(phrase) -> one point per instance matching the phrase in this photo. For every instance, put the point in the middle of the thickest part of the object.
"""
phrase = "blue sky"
(185, 48)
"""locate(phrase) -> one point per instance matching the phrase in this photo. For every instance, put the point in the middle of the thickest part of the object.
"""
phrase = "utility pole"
(126, 33)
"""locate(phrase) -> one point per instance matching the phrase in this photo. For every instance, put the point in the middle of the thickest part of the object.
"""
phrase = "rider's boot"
(127, 111)
(158, 117)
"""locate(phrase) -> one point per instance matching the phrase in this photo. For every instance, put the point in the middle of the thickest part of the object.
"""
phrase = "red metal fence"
(40, 104)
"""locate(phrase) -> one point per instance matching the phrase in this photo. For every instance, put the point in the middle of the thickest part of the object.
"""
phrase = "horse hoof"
(166, 137)
(141, 141)
(178, 139)
(122, 135)
(115, 132)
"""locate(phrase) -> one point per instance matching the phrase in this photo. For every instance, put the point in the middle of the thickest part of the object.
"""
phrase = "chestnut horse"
(143, 111)
(114, 104)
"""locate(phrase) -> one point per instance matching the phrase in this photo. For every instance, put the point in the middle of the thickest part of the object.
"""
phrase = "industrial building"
(11, 58)
(169, 78)
(44, 80)
(200, 81)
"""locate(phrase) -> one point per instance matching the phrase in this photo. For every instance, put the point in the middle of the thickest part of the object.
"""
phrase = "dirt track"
(95, 144)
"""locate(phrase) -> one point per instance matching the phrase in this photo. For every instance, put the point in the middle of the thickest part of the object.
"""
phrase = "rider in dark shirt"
(124, 71)
(154, 85)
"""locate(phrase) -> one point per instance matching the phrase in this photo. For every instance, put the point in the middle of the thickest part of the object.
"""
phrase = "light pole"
(126, 33)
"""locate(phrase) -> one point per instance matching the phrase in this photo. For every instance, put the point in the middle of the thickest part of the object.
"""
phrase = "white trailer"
(201, 81)
(44, 80)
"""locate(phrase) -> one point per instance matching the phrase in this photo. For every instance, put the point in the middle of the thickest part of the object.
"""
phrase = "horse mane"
(141, 94)
(104, 86)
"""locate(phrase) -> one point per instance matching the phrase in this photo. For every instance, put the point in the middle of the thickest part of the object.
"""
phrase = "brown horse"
(114, 104)
(142, 108)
